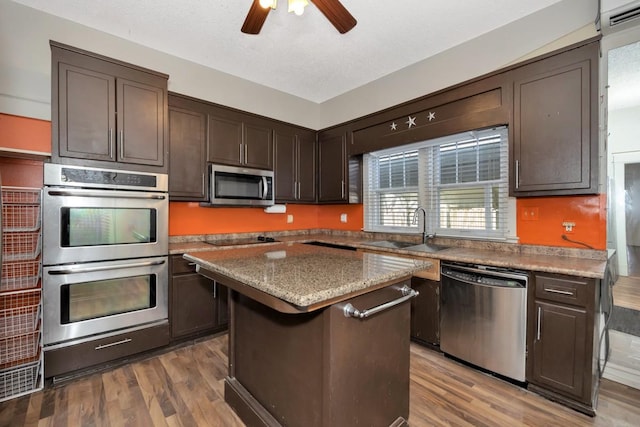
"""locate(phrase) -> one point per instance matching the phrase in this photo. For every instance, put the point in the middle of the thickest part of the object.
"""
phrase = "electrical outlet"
(529, 214)
(568, 226)
(289, 219)
(343, 217)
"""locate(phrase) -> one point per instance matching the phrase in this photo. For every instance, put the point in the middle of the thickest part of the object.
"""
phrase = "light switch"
(343, 217)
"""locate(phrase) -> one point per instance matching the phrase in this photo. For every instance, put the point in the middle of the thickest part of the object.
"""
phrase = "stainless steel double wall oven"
(105, 252)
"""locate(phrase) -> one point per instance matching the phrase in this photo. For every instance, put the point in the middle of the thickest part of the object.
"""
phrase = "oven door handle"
(103, 194)
(72, 270)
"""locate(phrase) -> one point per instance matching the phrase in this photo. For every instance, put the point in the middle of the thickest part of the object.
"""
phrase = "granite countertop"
(305, 275)
(542, 259)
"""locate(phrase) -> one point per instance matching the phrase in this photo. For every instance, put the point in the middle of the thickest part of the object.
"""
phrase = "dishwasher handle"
(407, 293)
(485, 279)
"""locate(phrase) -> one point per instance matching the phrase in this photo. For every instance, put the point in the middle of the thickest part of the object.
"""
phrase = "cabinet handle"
(407, 293)
(240, 154)
(342, 196)
(110, 142)
(539, 321)
(203, 190)
(121, 143)
(558, 291)
(517, 174)
(299, 190)
(246, 153)
(215, 290)
(103, 346)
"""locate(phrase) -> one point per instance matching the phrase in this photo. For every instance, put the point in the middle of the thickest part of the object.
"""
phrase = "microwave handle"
(265, 188)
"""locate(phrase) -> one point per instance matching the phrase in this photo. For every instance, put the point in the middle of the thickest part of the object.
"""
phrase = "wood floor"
(626, 292)
(184, 387)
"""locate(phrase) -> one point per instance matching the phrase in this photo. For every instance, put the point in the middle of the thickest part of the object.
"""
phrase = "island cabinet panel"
(295, 165)
(563, 338)
(187, 150)
(106, 113)
(319, 368)
(555, 118)
(196, 304)
(425, 311)
(239, 140)
(332, 157)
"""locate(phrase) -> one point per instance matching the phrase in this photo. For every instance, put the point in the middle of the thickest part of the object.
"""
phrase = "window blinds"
(460, 180)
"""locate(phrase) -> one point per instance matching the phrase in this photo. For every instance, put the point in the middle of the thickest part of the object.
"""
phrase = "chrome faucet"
(424, 222)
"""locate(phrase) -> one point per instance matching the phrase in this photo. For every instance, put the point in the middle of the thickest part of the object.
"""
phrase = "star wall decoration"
(411, 122)
(394, 126)
(432, 115)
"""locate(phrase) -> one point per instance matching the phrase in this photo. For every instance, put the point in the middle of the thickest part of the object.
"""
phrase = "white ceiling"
(303, 56)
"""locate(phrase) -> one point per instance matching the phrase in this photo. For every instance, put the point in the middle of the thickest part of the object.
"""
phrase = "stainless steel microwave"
(238, 186)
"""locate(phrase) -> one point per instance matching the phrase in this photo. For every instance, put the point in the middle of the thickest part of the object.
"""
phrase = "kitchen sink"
(409, 246)
(390, 244)
(425, 247)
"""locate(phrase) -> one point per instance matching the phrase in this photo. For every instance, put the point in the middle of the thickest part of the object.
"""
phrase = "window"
(460, 180)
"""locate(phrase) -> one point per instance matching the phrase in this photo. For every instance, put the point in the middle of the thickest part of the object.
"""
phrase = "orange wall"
(544, 227)
(187, 218)
(23, 133)
(540, 219)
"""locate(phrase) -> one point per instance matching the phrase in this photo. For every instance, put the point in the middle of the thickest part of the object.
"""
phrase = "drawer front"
(180, 265)
(75, 357)
(565, 289)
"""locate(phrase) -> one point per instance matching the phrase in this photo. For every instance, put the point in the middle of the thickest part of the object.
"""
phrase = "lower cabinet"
(425, 311)
(563, 339)
(197, 304)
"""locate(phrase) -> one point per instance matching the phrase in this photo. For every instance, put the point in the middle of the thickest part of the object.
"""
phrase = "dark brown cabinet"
(332, 160)
(197, 304)
(240, 141)
(187, 150)
(425, 311)
(555, 119)
(295, 165)
(106, 113)
(562, 339)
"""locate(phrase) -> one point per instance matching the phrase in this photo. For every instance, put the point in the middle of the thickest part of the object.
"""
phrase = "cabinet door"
(193, 306)
(187, 150)
(140, 123)
(555, 126)
(306, 168)
(559, 349)
(258, 146)
(225, 141)
(425, 311)
(285, 166)
(86, 113)
(332, 152)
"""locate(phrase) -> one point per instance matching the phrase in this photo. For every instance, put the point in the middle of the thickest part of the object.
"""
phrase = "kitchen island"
(318, 336)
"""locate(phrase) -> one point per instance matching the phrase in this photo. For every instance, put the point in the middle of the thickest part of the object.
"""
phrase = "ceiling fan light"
(297, 6)
(268, 3)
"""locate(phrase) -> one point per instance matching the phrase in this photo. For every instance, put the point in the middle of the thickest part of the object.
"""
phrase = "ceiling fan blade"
(255, 18)
(337, 14)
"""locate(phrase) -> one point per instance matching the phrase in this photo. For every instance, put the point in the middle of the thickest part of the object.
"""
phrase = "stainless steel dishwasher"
(484, 316)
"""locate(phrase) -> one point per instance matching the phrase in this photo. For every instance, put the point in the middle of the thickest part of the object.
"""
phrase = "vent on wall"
(620, 18)
(625, 16)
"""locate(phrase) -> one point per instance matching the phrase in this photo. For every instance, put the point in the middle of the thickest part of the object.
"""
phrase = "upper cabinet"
(555, 125)
(332, 160)
(295, 164)
(106, 113)
(240, 140)
(188, 149)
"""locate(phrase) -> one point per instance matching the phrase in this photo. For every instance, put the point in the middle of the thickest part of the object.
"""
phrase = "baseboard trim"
(622, 374)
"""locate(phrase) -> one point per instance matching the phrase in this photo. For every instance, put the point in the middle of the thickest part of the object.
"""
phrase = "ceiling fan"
(335, 12)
